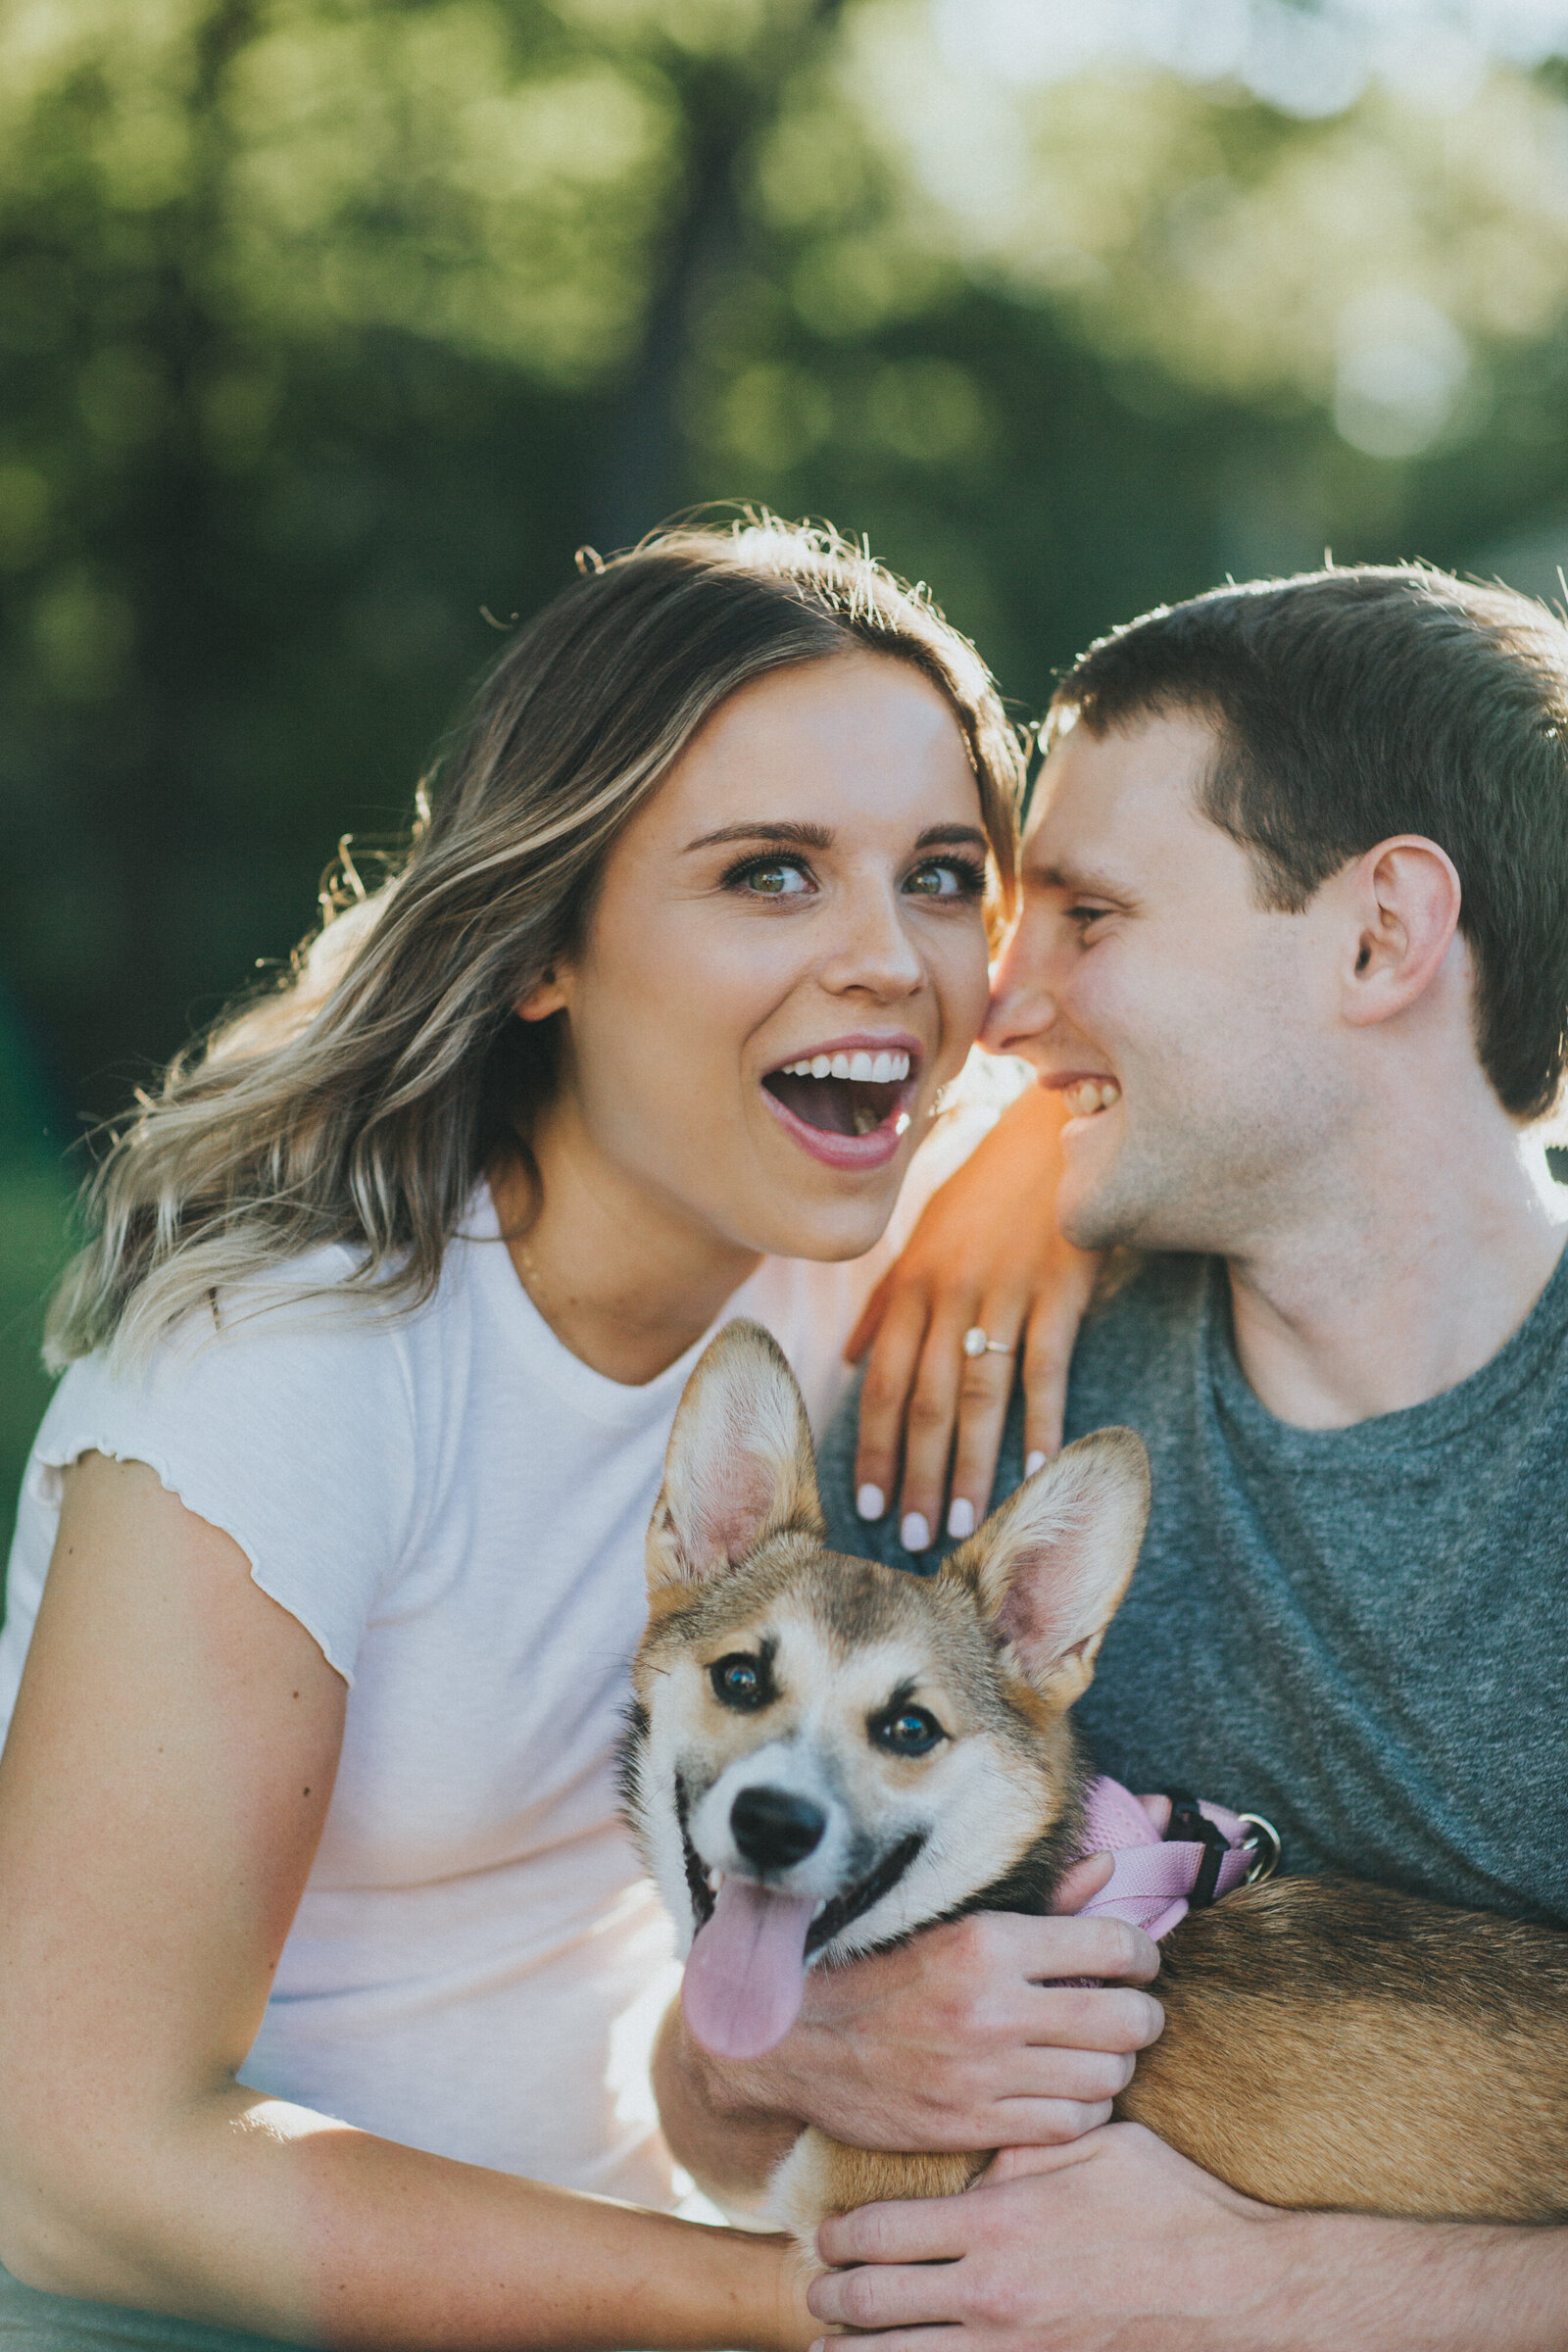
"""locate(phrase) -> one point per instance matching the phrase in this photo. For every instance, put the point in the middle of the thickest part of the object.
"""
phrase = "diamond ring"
(980, 1343)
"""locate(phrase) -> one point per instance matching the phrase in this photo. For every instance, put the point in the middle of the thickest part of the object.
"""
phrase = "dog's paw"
(799, 2194)
(821, 2176)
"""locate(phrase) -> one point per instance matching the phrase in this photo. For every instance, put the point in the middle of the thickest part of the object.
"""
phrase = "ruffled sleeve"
(292, 1429)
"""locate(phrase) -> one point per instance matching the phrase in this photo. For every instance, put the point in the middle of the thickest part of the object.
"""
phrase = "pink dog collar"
(1159, 1876)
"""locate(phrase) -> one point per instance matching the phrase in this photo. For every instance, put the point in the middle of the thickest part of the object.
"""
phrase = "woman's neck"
(624, 1281)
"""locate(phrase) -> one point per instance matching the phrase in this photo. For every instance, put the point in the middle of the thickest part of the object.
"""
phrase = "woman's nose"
(873, 950)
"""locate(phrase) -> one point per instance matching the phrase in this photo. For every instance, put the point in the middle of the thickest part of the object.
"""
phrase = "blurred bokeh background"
(330, 328)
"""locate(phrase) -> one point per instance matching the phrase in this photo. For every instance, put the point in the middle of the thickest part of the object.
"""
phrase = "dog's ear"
(1050, 1567)
(740, 1464)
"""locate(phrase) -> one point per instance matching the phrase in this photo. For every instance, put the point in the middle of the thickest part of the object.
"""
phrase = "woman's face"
(786, 960)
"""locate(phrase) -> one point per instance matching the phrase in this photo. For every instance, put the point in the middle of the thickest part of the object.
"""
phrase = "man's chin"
(1098, 1214)
(1107, 1218)
(1090, 1230)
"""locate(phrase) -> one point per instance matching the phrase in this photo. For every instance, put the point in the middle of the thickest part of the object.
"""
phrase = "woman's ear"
(1405, 897)
(547, 996)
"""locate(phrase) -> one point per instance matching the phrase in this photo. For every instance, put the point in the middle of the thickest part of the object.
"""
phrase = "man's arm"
(1117, 2241)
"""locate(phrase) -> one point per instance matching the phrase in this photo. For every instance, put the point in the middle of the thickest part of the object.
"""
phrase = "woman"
(374, 1355)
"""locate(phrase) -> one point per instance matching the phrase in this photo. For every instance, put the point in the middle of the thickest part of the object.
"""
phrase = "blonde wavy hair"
(360, 1102)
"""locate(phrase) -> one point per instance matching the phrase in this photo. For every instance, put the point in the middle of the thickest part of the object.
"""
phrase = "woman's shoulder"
(274, 1322)
(292, 1364)
(286, 1414)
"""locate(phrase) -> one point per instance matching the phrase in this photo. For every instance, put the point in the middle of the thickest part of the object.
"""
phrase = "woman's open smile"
(846, 1100)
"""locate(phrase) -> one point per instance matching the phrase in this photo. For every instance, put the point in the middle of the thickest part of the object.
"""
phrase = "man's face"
(1192, 1030)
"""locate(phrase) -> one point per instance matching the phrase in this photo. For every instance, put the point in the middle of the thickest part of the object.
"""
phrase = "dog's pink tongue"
(742, 1990)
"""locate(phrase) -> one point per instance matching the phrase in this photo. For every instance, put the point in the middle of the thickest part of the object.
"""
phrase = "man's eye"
(947, 878)
(778, 879)
(740, 1681)
(1083, 916)
(907, 1732)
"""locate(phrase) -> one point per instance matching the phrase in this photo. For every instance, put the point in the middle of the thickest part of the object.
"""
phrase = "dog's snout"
(774, 1827)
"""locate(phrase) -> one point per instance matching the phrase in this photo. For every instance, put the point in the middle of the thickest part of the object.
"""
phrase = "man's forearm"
(728, 2146)
(1420, 2286)
(1117, 2239)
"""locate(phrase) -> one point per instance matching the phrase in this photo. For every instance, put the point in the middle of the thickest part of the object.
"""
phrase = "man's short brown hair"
(1352, 705)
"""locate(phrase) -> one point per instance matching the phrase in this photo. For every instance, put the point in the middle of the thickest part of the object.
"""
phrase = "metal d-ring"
(1266, 1862)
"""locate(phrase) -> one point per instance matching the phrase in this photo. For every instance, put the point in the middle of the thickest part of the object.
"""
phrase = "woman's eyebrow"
(935, 834)
(794, 837)
(821, 837)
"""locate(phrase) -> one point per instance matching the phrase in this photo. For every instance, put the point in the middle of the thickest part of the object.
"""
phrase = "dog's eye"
(906, 1731)
(739, 1681)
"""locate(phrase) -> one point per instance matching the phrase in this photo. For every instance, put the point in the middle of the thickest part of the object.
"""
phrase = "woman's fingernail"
(870, 1501)
(960, 1516)
(914, 1535)
(1033, 1462)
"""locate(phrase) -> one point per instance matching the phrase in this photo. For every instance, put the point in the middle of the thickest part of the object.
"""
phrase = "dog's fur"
(1327, 2043)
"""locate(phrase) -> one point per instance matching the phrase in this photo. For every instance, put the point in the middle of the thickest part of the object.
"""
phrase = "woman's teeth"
(1090, 1095)
(853, 1092)
(870, 1070)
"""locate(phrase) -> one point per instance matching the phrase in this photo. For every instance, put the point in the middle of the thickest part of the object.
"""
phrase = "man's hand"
(1117, 2244)
(987, 1253)
(950, 2041)
(1111, 2241)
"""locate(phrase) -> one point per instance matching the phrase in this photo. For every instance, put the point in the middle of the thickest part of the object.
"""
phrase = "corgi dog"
(824, 1756)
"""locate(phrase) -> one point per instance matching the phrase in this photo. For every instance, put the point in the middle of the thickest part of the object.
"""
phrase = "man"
(1294, 951)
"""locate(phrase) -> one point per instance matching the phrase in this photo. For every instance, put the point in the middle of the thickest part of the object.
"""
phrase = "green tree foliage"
(329, 328)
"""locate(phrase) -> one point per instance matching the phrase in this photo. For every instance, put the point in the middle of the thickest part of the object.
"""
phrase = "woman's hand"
(987, 1253)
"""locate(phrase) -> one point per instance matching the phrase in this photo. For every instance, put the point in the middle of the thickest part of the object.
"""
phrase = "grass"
(34, 1244)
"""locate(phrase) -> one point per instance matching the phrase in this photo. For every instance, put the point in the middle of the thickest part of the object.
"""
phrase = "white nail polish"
(960, 1516)
(869, 1501)
(1032, 1463)
(914, 1535)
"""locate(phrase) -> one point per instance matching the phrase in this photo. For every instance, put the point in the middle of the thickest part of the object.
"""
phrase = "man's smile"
(1086, 1093)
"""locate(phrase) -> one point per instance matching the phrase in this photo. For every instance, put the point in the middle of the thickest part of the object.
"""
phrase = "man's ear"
(740, 1463)
(1050, 1567)
(1405, 896)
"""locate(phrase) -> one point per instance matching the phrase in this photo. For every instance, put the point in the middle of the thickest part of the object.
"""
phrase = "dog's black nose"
(774, 1828)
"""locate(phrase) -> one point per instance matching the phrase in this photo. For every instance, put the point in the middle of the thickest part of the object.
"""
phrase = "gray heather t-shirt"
(1360, 1633)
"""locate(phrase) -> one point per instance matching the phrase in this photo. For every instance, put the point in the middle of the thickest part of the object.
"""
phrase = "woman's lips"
(845, 1121)
(834, 1151)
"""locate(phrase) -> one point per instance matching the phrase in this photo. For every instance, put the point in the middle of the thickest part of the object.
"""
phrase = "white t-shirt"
(454, 1506)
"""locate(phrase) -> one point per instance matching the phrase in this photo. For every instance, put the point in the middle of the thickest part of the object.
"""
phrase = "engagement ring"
(979, 1343)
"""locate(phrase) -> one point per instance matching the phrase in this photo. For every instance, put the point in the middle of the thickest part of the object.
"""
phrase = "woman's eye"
(740, 1681)
(947, 878)
(908, 1731)
(779, 878)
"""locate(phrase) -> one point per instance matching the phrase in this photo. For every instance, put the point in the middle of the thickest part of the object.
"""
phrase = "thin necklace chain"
(533, 1283)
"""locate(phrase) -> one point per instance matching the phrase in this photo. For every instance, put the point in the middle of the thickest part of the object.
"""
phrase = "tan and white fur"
(1327, 2043)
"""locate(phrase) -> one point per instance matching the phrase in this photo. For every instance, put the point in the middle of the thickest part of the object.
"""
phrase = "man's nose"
(1022, 1007)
